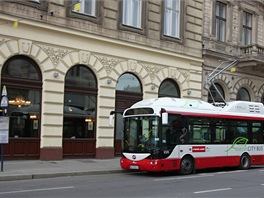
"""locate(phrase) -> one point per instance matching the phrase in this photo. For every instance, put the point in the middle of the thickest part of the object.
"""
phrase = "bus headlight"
(154, 162)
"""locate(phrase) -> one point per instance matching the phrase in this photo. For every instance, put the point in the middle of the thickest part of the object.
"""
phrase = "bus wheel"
(245, 162)
(186, 166)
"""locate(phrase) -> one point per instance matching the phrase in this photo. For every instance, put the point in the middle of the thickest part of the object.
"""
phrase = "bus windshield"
(141, 134)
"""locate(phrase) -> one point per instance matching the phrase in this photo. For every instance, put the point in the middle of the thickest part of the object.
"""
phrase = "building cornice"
(79, 33)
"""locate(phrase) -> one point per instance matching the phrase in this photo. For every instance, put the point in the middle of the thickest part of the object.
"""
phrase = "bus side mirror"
(164, 117)
(111, 117)
(111, 120)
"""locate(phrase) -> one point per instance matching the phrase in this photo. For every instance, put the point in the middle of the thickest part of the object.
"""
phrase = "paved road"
(216, 183)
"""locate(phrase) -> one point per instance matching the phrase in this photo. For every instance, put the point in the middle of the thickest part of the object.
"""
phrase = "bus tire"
(245, 162)
(187, 165)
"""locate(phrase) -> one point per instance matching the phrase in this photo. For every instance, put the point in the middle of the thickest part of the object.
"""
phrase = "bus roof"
(192, 106)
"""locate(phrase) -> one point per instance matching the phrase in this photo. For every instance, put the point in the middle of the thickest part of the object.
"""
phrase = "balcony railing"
(254, 50)
(251, 55)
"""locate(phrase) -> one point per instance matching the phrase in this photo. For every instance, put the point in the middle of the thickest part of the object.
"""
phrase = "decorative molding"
(25, 46)
(55, 54)
(172, 72)
(132, 64)
(152, 70)
(84, 57)
(185, 73)
(108, 63)
(2, 40)
(245, 82)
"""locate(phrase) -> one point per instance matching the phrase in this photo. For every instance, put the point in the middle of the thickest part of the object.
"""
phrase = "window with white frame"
(132, 13)
(220, 21)
(37, 1)
(87, 7)
(172, 18)
(247, 28)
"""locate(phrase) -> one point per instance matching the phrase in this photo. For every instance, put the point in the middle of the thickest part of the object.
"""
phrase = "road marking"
(214, 190)
(34, 190)
(187, 177)
(262, 184)
(228, 172)
(202, 175)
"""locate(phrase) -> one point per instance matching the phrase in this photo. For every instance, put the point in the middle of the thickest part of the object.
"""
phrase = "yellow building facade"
(75, 61)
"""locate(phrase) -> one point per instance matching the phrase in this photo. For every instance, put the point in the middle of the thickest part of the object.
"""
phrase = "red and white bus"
(166, 134)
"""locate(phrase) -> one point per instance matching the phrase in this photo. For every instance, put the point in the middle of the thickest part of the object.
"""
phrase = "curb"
(15, 177)
(53, 175)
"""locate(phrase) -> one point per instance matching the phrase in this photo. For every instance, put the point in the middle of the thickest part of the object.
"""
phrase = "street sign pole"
(2, 150)
(4, 136)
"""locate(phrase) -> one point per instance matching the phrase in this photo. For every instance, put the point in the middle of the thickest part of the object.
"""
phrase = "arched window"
(243, 94)
(129, 83)
(262, 99)
(169, 88)
(23, 81)
(80, 76)
(213, 95)
(80, 103)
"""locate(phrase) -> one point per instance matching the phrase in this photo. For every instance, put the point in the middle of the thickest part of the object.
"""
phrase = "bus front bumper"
(151, 165)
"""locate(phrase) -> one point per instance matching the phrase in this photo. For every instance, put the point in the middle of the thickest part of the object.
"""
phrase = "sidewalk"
(33, 169)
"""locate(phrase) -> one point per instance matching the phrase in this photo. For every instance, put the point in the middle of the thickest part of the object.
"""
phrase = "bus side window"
(257, 133)
(238, 128)
(200, 131)
(171, 132)
(219, 135)
(242, 129)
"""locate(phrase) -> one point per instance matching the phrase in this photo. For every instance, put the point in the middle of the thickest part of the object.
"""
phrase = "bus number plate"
(134, 167)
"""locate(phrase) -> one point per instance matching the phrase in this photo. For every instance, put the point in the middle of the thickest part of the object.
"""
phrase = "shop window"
(80, 76)
(80, 103)
(22, 79)
(24, 112)
(20, 68)
(169, 88)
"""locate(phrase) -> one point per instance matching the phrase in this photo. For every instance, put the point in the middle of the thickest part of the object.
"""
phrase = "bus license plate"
(134, 167)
